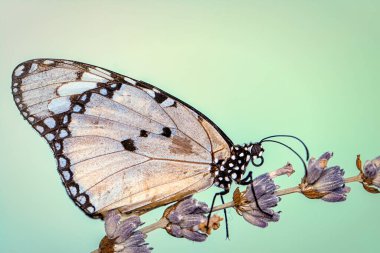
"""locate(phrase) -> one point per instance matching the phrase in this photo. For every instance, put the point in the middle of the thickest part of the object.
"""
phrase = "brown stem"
(163, 222)
(294, 189)
(278, 193)
(357, 178)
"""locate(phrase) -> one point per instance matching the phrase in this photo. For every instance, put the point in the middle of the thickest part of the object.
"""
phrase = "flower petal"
(330, 179)
(313, 173)
(192, 220)
(370, 169)
(186, 206)
(127, 229)
(194, 236)
(334, 197)
(254, 220)
(111, 222)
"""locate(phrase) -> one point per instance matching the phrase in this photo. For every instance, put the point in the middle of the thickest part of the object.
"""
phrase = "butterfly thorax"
(233, 168)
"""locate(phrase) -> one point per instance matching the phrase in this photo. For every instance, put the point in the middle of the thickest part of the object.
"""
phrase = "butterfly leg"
(225, 217)
(248, 181)
(225, 212)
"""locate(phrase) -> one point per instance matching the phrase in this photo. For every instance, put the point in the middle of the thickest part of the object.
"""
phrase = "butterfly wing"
(119, 143)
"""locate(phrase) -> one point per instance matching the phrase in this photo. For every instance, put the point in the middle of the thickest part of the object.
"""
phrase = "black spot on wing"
(166, 132)
(143, 133)
(129, 145)
(159, 97)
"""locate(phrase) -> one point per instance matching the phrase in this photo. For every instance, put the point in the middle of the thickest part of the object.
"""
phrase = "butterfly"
(125, 144)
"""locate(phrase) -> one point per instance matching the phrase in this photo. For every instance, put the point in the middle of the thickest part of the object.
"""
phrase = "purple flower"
(264, 187)
(322, 182)
(187, 220)
(122, 236)
(246, 205)
(371, 175)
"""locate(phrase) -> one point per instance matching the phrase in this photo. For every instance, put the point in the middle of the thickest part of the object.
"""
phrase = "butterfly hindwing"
(119, 143)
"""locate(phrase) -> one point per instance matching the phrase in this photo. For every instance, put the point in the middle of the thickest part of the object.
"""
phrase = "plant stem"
(163, 222)
(357, 178)
(286, 191)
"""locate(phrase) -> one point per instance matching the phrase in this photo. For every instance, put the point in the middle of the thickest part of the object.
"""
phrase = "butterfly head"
(256, 150)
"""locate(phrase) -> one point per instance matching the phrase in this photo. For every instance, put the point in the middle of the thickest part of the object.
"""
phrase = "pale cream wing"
(119, 143)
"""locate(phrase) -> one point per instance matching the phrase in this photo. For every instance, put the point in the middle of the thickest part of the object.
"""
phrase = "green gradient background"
(310, 68)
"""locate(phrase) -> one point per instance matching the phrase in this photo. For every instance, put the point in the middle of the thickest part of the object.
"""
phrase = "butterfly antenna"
(293, 137)
(295, 152)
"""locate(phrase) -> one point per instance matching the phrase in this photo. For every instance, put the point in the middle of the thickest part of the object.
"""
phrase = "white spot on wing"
(49, 136)
(63, 133)
(62, 162)
(151, 93)
(77, 108)
(73, 190)
(19, 70)
(48, 62)
(129, 80)
(59, 105)
(72, 88)
(92, 78)
(57, 146)
(33, 67)
(168, 102)
(103, 91)
(40, 129)
(65, 119)
(66, 175)
(81, 200)
(84, 97)
(50, 122)
(103, 71)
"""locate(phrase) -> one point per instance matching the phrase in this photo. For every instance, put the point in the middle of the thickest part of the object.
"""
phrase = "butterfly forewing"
(119, 143)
